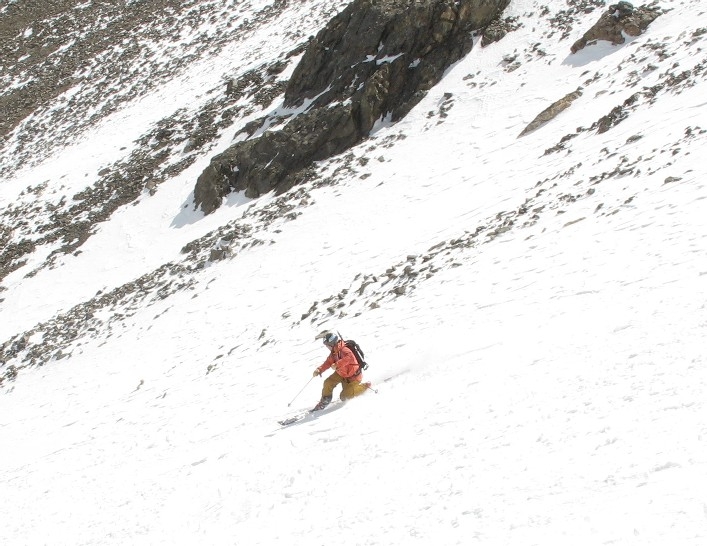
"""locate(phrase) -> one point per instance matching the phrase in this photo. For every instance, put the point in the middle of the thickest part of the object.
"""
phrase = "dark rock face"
(619, 19)
(259, 165)
(375, 59)
(412, 41)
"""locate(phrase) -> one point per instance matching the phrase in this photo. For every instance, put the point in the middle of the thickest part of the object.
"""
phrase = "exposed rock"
(620, 19)
(551, 112)
(429, 34)
(220, 251)
(498, 29)
(373, 60)
(617, 115)
(564, 20)
(258, 165)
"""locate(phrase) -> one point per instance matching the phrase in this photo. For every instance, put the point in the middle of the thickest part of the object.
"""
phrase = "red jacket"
(343, 361)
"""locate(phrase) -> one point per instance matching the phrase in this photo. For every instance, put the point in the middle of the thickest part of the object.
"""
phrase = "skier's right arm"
(324, 367)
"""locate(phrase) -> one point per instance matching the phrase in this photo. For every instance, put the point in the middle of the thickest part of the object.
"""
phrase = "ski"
(309, 415)
(294, 418)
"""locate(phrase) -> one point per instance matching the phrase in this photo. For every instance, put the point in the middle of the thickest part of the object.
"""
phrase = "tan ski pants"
(349, 387)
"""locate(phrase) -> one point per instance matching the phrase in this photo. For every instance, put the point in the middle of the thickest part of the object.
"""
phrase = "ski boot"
(323, 403)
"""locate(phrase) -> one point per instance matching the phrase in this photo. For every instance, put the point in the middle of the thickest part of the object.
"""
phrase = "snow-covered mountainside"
(515, 232)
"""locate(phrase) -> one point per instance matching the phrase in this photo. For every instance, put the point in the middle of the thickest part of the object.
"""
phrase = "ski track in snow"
(545, 386)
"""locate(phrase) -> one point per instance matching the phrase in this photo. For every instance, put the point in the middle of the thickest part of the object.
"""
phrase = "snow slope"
(541, 369)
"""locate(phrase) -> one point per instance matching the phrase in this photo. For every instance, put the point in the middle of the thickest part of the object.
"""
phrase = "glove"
(316, 373)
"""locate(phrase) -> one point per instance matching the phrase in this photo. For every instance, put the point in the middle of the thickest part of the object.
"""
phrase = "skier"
(347, 372)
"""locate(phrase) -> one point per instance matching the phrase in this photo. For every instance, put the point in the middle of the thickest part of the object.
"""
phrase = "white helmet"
(331, 339)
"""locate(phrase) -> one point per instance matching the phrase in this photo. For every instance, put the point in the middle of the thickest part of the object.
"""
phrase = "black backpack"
(358, 353)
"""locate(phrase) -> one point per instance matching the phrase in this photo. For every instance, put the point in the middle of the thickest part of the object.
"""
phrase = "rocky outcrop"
(498, 29)
(375, 59)
(413, 41)
(261, 164)
(551, 112)
(620, 19)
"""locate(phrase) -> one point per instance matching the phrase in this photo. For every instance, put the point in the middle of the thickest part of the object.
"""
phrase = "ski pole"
(300, 392)
(370, 388)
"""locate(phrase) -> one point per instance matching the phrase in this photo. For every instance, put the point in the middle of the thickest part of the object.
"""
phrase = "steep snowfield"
(541, 376)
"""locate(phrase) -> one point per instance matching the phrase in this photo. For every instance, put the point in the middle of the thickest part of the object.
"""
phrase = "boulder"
(619, 20)
(551, 112)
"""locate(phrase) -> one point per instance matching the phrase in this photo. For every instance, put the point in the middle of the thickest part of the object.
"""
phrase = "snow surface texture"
(533, 311)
